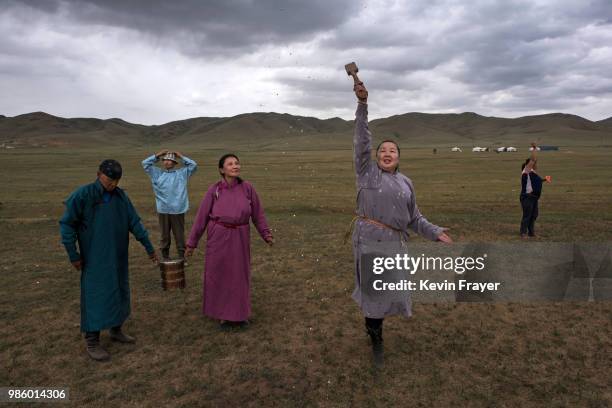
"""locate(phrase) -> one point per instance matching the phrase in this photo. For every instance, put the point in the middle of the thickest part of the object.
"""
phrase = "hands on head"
(164, 151)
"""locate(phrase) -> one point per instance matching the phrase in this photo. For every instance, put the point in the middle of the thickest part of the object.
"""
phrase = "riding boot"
(116, 334)
(94, 349)
(377, 345)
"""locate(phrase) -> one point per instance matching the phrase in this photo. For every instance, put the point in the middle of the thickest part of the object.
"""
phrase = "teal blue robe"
(101, 224)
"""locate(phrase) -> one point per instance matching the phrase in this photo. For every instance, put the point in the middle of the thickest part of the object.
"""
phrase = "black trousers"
(529, 202)
(374, 324)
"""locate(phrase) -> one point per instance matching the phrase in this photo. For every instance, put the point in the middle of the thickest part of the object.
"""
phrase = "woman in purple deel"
(225, 212)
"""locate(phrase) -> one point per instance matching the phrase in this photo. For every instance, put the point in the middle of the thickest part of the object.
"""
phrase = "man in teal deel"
(100, 216)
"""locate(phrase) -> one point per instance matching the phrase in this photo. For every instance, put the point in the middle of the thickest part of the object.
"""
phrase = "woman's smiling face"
(387, 156)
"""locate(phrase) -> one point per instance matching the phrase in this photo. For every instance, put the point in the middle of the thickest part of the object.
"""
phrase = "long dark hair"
(222, 162)
(524, 164)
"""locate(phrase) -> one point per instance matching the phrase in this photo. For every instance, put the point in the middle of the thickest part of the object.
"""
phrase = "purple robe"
(226, 211)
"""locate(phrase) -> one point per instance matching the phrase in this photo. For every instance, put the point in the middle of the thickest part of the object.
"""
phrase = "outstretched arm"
(421, 226)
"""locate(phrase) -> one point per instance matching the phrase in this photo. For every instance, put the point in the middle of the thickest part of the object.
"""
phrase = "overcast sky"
(154, 61)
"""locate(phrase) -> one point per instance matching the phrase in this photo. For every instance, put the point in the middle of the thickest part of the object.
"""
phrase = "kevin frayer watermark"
(405, 264)
(485, 271)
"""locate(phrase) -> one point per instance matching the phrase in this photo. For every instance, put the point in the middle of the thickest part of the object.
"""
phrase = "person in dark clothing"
(95, 232)
(531, 189)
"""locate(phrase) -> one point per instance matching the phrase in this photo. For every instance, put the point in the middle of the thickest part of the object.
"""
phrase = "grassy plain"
(307, 346)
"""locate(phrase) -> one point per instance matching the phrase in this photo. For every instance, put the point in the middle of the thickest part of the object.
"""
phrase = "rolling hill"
(605, 122)
(275, 130)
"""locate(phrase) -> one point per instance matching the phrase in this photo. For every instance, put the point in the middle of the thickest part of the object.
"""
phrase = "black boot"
(227, 325)
(165, 253)
(94, 349)
(375, 334)
(117, 334)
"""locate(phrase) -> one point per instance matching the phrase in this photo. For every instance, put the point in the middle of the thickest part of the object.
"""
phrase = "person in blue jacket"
(99, 217)
(171, 197)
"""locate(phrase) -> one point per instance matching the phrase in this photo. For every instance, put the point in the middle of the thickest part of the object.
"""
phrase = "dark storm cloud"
(481, 34)
(221, 25)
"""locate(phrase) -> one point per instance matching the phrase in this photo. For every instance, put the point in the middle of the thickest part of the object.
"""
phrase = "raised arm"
(533, 158)
(148, 166)
(190, 165)
(362, 139)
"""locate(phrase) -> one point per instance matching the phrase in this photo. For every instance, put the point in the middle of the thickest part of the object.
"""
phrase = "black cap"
(111, 168)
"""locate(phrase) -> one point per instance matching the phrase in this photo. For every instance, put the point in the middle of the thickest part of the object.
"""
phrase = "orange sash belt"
(369, 221)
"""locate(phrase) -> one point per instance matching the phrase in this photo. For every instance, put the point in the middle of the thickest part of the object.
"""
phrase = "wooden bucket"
(172, 274)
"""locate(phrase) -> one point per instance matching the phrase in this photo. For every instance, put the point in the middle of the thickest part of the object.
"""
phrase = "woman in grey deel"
(386, 209)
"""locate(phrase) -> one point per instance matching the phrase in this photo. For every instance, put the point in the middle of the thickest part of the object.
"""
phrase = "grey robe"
(388, 198)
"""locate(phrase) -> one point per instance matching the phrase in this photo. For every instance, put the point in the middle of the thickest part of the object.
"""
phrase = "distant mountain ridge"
(468, 128)
(605, 122)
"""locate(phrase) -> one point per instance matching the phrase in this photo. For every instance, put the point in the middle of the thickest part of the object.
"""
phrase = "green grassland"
(307, 345)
